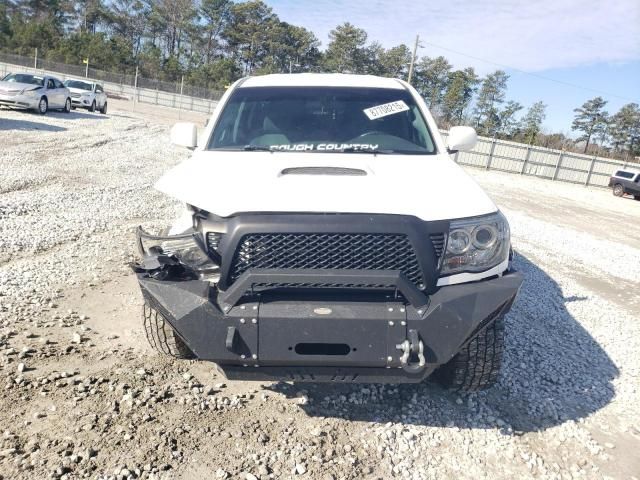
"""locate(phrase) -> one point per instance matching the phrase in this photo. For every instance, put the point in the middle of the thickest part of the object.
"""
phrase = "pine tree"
(431, 80)
(531, 123)
(590, 119)
(461, 86)
(490, 97)
(625, 129)
(346, 50)
(507, 118)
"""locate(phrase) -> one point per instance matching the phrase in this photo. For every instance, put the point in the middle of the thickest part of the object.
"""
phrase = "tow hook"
(411, 348)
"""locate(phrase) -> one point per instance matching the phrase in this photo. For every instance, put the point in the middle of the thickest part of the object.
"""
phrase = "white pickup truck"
(329, 236)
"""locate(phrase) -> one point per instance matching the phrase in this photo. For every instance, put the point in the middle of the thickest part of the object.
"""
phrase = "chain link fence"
(119, 82)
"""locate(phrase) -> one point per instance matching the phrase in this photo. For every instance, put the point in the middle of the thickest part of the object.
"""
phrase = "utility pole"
(135, 89)
(35, 60)
(413, 58)
(181, 89)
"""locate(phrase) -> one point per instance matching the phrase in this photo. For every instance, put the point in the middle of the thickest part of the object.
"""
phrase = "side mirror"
(185, 135)
(461, 139)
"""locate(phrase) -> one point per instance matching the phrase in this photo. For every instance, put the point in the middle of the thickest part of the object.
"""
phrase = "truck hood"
(225, 183)
(16, 86)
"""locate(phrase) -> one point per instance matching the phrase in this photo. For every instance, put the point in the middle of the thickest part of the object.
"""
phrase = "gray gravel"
(84, 397)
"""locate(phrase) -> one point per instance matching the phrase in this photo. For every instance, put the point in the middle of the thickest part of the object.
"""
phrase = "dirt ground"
(85, 397)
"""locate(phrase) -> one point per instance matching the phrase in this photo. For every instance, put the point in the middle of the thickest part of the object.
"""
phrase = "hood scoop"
(353, 172)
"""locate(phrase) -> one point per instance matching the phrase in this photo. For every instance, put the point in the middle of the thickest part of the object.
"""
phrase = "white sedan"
(34, 92)
(85, 94)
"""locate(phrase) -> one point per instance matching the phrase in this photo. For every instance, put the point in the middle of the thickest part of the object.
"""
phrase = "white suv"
(323, 240)
(88, 95)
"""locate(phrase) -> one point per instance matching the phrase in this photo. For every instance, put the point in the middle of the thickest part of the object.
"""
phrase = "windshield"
(24, 78)
(78, 84)
(322, 119)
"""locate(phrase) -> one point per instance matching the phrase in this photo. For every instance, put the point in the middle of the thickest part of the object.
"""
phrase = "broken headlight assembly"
(186, 249)
(476, 244)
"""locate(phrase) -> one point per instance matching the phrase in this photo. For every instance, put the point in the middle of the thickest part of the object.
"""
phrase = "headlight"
(187, 248)
(476, 245)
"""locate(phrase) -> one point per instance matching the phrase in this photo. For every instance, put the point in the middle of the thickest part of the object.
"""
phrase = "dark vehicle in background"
(626, 182)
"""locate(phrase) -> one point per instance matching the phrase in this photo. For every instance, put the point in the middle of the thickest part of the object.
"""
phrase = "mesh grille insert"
(357, 251)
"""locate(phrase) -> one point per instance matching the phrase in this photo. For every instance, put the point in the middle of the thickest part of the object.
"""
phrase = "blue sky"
(593, 44)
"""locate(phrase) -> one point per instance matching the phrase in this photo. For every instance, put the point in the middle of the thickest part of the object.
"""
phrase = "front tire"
(103, 110)
(92, 108)
(618, 190)
(477, 365)
(161, 336)
(43, 106)
(67, 106)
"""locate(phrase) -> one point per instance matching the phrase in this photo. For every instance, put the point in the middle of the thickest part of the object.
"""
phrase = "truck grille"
(356, 251)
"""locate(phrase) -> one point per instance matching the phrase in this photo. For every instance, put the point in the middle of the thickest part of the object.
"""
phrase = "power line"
(561, 82)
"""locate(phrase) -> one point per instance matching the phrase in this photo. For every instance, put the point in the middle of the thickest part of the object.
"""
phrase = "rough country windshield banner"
(326, 147)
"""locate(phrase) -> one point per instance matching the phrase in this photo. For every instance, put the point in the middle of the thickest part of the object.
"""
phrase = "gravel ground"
(84, 397)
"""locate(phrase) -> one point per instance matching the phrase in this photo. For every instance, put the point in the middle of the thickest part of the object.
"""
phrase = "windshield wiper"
(364, 150)
(254, 148)
(380, 151)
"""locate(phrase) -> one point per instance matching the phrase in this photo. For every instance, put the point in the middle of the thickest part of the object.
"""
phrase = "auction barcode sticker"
(386, 109)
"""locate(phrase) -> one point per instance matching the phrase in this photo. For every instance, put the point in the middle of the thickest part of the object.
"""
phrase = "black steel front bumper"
(329, 335)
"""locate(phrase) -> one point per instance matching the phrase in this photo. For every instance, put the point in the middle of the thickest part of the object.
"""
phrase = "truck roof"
(322, 80)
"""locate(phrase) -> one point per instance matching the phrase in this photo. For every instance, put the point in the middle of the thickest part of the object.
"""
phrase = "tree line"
(211, 43)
